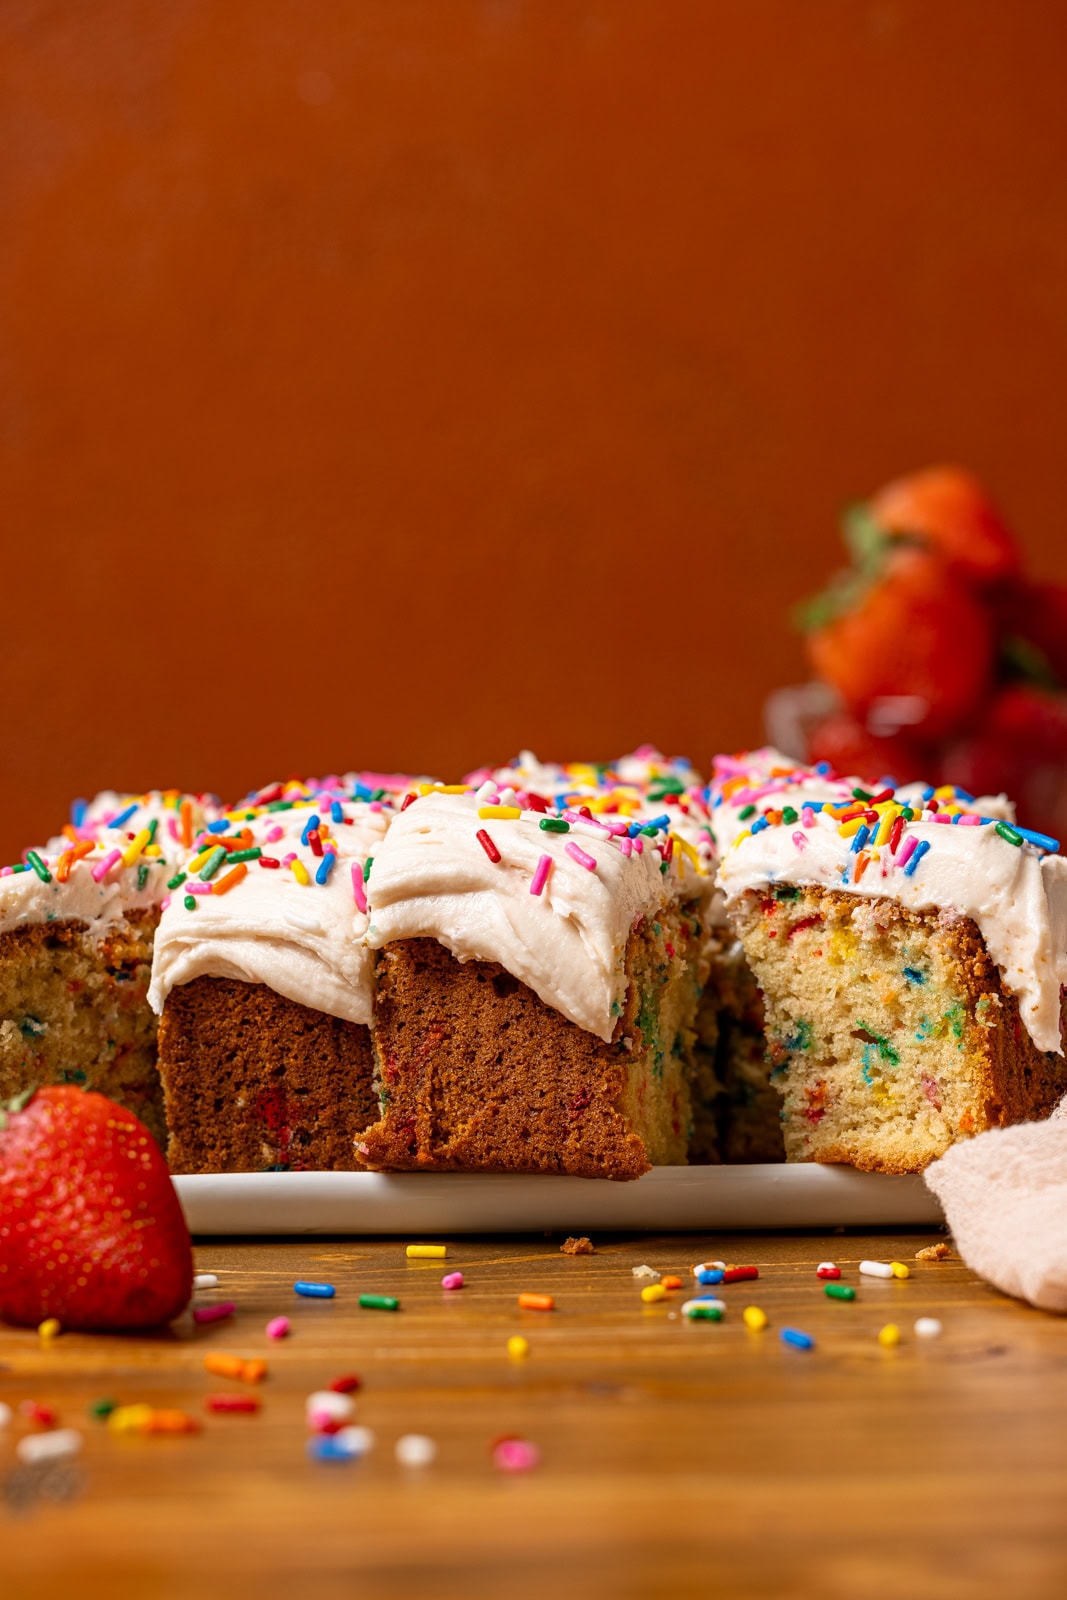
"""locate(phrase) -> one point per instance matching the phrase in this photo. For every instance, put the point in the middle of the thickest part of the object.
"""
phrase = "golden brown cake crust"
(478, 1073)
(74, 1009)
(256, 1082)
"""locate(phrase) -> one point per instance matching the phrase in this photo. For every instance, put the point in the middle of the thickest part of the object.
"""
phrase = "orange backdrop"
(394, 384)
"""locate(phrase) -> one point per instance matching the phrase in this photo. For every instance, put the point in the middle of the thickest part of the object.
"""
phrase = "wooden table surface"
(691, 1457)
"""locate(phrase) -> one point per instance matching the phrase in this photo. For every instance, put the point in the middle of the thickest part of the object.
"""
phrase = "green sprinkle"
(212, 864)
(379, 1302)
(555, 825)
(663, 867)
(20, 866)
(142, 874)
(190, 902)
(102, 1408)
(839, 1291)
(704, 1314)
(177, 880)
(746, 812)
(379, 794)
(1009, 833)
(152, 826)
(650, 832)
(34, 860)
(908, 814)
(789, 816)
(252, 854)
(861, 794)
(280, 805)
(366, 869)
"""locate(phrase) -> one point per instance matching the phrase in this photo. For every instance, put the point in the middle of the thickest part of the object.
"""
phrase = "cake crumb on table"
(934, 1252)
(577, 1247)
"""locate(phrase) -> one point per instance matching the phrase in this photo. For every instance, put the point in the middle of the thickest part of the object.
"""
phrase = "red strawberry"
(947, 510)
(851, 749)
(91, 1231)
(911, 630)
(1022, 751)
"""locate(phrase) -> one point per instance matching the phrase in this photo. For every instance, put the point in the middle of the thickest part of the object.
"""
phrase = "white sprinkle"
(928, 1328)
(354, 1441)
(690, 1307)
(709, 1266)
(826, 1266)
(876, 1269)
(645, 1272)
(487, 792)
(205, 1280)
(329, 1404)
(415, 1450)
(49, 1446)
(5, 1415)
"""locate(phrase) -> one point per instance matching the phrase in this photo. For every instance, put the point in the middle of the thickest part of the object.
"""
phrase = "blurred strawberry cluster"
(937, 657)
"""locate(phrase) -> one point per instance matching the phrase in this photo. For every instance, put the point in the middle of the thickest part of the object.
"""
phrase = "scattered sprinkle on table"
(546, 1302)
(839, 1291)
(517, 1346)
(378, 1302)
(221, 1365)
(452, 1280)
(278, 1328)
(49, 1329)
(316, 1291)
(797, 1339)
(348, 1444)
(754, 1318)
(739, 1274)
(650, 1294)
(889, 1335)
(205, 1280)
(327, 1406)
(703, 1310)
(415, 1450)
(347, 1383)
(216, 1313)
(927, 1328)
(231, 1402)
(515, 1455)
(426, 1252)
(710, 1275)
(876, 1269)
(671, 1281)
(899, 1270)
(48, 1446)
(827, 1269)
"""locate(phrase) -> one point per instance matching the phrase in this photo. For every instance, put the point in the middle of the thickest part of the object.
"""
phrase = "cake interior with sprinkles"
(911, 950)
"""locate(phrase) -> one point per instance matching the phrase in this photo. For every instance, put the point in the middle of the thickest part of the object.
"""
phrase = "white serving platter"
(665, 1199)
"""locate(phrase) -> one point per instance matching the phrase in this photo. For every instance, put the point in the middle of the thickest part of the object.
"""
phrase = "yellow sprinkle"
(899, 1269)
(754, 1318)
(654, 1292)
(746, 835)
(687, 849)
(498, 813)
(426, 1252)
(852, 826)
(455, 788)
(889, 1335)
(135, 846)
(152, 850)
(50, 1329)
(198, 861)
(300, 872)
(517, 1346)
(889, 815)
(129, 1419)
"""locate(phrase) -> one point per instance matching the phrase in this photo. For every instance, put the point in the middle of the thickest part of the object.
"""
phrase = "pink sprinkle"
(800, 840)
(540, 877)
(102, 868)
(452, 1280)
(172, 829)
(6, 872)
(576, 853)
(225, 1308)
(639, 845)
(197, 888)
(358, 891)
(939, 817)
(375, 805)
(907, 852)
(515, 1455)
(277, 1327)
(274, 834)
(807, 816)
(626, 846)
(617, 828)
(164, 903)
(590, 822)
(290, 857)
(970, 821)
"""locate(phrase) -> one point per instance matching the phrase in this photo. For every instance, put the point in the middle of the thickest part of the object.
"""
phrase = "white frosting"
(304, 941)
(433, 879)
(1016, 895)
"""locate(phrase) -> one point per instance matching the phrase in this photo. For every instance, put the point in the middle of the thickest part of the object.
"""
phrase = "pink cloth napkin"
(1004, 1195)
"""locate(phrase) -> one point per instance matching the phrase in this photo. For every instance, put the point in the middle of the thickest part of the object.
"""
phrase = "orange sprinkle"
(230, 879)
(863, 861)
(670, 1282)
(537, 1302)
(224, 1366)
(172, 1422)
(186, 813)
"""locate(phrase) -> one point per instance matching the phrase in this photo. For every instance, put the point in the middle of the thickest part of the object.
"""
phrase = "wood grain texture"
(688, 1457)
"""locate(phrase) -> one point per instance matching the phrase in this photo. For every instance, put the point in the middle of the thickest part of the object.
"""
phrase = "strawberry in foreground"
(91, 1231)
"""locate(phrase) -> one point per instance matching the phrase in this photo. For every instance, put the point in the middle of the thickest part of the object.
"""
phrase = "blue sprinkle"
(968, 799)
(710, 1275)
(315, 1291)
(1043, 841)
(634, 829)
(814, 805)
(218, 827)
(759, 825)
(913, 975)
(78, 808)
(336, 814)
(312, 822)
(799, 1341)
(860, 837)
(361, 793)
(659, 822)
(325, 867)
(123, 817)
(928, 793)
(920, 850)
(326, 1448)
(823, 768)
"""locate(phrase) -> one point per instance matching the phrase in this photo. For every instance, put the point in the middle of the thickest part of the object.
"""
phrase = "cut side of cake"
(541, 958)
(263, 985)
(911, 952)
(77, 923)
